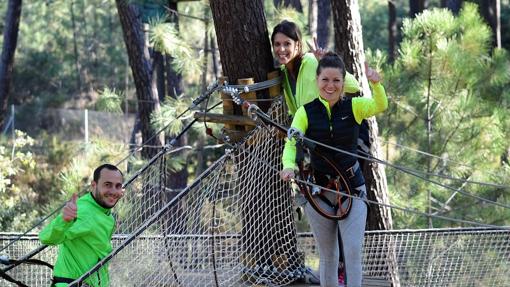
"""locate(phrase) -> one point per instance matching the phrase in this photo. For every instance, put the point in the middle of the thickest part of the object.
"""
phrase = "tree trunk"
(243, 41)
(139, 60)
(323, 16)
(245, 52)
(312, 17)
(11, 29)
(77, 62)
(452, 5)
(349, 44)
(296, 4)
(173, 79)
(491, 11)
(392, 31)
(158, 73)
(417, 6)
(215, 60)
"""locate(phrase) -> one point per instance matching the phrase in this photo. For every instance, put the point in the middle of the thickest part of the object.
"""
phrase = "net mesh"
(235, 226)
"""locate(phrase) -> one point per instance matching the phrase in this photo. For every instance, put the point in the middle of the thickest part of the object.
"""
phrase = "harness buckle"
(350, 172)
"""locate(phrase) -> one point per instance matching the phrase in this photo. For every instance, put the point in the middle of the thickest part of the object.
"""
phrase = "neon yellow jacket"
(82, 242)
(362, 108)
(306, 84)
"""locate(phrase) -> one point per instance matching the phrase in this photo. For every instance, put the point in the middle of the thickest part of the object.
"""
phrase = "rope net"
(234, 226)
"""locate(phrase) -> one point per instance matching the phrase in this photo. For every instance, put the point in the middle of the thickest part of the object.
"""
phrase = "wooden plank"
(274, 91)
(228, 104)
(367, 282)
(251, 97)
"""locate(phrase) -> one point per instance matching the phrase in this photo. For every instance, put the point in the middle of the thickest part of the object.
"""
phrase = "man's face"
(108, 190)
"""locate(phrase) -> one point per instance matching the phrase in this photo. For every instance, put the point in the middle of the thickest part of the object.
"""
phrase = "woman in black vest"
(334, 120)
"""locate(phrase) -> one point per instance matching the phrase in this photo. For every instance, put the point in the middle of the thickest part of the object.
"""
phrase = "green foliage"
(289, 14)
(442, 58)
(109, 101)
(374, 22)
(19, 177)
(36, 176)
(447, 77)
(46, 64)
(165, 38)
(167, 116)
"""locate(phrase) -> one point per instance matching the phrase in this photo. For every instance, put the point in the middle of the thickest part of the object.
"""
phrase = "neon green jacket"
(362, 108)
(82, 242)
(306, 84)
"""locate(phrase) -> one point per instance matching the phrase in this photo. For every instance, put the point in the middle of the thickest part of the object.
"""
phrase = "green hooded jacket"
(82, 242)
(306, 84)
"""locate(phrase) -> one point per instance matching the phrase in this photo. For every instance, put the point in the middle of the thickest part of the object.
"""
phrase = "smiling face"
(331, 84)
(108, 189)
(285, 49)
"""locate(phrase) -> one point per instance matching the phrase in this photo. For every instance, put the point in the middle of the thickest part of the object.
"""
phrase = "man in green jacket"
(84, 230)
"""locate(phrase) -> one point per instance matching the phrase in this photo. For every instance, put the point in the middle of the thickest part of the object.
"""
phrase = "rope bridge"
(234, 226)
(460, 257)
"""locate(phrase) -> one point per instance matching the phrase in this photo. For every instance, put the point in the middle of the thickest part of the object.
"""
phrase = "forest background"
(72, 102)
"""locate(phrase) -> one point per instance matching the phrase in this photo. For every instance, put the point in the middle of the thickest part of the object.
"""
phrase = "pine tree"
(448, 96)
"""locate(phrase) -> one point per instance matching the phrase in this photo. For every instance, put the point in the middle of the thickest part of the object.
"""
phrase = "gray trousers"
(352, 231)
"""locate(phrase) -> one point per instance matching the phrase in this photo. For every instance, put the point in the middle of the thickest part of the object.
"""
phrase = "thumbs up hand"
(70, 210)
(372, 74)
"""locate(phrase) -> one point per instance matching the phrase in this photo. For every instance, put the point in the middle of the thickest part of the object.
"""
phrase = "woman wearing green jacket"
(334, 120)
(298, 68)
(84, 230)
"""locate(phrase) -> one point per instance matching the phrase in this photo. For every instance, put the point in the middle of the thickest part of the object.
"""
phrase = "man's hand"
(70, 210)
(372, 74)
(287, 174)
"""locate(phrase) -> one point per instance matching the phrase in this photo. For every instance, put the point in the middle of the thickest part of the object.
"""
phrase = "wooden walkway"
(367, 282)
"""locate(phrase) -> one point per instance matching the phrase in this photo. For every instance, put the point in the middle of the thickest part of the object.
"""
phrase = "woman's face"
(285, 49)
(331, 84)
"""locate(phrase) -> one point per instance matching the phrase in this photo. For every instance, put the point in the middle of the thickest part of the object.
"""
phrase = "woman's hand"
(287, 174)
(372, 75)
(317, 51)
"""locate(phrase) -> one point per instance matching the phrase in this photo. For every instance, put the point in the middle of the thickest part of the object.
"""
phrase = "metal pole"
(12, 117)
(13, 133)
(86, 126)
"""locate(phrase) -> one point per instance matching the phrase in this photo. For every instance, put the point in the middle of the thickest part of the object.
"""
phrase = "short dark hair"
(331, 60)
(97, 171)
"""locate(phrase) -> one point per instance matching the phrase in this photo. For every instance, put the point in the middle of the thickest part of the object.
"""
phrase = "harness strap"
(57, 280)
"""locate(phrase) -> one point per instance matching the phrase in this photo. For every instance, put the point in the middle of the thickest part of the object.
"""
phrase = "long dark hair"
(291, 30)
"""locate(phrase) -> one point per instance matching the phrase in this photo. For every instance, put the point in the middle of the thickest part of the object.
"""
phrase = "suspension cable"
(259, 114)
(210, 90)
(405, 209)
(458, 163)
(146, 224)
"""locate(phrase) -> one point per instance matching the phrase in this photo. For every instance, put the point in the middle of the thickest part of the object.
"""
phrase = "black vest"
(341, 131)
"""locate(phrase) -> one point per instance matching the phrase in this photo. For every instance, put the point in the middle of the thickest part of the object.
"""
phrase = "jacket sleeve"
(351, 85)
(366, 107)
(59, 230)
(300, 122)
